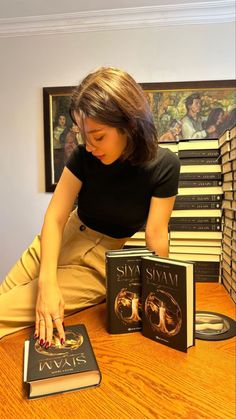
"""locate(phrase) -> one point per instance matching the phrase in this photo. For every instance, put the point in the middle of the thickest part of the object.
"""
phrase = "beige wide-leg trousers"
(81, 275)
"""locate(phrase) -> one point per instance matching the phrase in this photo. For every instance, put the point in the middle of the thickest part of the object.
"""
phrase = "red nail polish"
(62, 341)
(36, 335)
(47, 345)
(41, 342)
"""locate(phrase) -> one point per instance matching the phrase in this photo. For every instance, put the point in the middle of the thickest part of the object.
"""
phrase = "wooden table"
(141, 378)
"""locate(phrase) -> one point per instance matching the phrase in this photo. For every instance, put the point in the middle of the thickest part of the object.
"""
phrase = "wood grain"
(141, 378)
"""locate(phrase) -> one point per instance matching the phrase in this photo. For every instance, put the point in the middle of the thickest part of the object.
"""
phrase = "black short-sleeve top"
(115, 199)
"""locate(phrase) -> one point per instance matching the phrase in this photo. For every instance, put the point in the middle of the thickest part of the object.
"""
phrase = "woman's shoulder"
(164, 156)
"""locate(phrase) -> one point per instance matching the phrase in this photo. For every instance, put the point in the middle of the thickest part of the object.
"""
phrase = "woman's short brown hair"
(112, 97)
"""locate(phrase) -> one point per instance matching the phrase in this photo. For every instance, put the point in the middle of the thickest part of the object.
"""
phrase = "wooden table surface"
(141, 378)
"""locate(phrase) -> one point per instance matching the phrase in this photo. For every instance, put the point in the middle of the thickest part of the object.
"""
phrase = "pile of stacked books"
(195, 224)
(228, 264)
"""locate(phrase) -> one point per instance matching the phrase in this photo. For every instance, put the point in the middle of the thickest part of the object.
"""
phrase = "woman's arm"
(156, 233)
(50, 303)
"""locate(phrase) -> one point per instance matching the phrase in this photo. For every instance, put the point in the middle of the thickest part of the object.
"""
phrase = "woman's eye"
(99, 138)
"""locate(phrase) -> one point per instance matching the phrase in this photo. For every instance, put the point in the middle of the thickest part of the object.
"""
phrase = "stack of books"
(228, 264)
(195, 224)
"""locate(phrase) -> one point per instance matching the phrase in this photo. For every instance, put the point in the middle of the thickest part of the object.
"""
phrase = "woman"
(122, 182)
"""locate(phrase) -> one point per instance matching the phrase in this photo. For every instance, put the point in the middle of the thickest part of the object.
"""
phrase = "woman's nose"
(89, 147)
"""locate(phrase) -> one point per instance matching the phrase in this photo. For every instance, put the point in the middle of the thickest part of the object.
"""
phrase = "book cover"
(168, 302)
(61, 368)
(123, 285)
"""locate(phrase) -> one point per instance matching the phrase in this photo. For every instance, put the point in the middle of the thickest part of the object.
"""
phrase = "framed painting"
(192, 110)
(181, 110)
(61, 135)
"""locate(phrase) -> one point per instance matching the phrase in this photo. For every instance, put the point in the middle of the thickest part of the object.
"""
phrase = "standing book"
(168, 302)
(61, 368)
(123, 302)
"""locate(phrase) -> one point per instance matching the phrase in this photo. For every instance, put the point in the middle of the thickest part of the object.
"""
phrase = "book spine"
(200, 176)
(195, 220)
(199, 161)
(195, 227)
(198, 183)
(206, 265)
(198, 153)
(201, 198)
(196, 205)
(207, 278)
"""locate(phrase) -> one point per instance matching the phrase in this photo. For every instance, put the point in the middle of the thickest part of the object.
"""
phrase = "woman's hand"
(49, 308)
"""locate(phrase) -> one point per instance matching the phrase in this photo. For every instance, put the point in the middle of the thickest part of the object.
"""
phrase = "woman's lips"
(100, 157)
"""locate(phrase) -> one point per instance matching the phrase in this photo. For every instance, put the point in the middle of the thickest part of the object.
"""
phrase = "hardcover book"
(196, 183)
(199, 145)
(124, 290)
(200, 176)
(61, 368)
(200, 198)
(168, 302)
(198, 153)
(196, 205)
(198, 161)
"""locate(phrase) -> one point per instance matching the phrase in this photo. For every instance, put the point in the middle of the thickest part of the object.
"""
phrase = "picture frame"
(215, 107)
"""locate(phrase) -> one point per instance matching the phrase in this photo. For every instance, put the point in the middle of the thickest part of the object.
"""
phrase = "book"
(196, 205)
(194, 256)
(207, 277)
(198, 161)
(196, 183)
(123, 290)
(227, 177)
(200, 198)
(200, 176)
(195, 220)
(199, 144)
(195, 213)
(198, 153)
(199, 227)
(197, 234)
(195, 242)
(214, 190)
(227, 167)
(168, 302)
(60, 368)
(201, 167)
(195, 249)
(224, 137)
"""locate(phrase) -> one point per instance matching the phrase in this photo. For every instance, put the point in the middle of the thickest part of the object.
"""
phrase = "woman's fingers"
(42, 332)
(44, 329)
(58, 323)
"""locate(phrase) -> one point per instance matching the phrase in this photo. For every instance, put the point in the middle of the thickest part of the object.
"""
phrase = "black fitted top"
(115, 199)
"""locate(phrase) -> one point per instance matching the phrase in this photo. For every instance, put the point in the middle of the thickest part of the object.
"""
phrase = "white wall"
(199, 52)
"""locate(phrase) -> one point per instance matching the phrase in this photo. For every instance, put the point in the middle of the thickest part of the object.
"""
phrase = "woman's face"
(104, 142)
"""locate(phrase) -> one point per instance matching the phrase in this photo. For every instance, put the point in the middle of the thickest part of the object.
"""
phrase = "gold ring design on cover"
(57, 318)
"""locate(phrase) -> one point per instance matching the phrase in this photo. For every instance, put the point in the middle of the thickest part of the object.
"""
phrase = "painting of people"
(192, 112)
